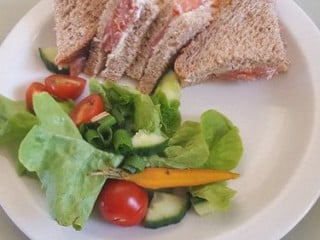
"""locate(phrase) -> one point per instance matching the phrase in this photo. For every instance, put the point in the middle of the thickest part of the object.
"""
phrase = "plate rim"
(280, 228)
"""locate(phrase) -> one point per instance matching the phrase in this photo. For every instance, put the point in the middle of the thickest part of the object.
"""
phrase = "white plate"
(278, 121)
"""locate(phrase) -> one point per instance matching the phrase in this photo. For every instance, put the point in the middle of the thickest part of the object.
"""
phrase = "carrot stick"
(156, 178)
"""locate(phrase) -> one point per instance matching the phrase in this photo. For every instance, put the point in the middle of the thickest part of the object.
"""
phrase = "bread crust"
(136, 69)
(97, 57)
(113, 65)
(253, 48)
(75, 26)
(179, 32)
(123, 56)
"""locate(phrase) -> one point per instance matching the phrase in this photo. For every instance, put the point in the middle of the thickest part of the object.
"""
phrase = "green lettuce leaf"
(132, 109)
(16, 127)
(213, 143)
(56, 152)
(218, 195)
(187, 149)
(223, 140)
(62, 164)
(146, 114)
(53, 117)
(67, 106)
(15, 120)
(8, 107)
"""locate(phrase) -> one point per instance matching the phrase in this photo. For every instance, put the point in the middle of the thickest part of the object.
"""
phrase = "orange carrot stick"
(156, 178)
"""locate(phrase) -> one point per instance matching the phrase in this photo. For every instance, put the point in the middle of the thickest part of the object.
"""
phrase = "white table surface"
(10, 13)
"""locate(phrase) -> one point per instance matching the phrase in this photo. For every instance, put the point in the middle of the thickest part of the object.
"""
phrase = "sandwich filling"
(249, 74)
(183, 6)
(77, 65)
(123, 16)
(179, 7)
(243, 42)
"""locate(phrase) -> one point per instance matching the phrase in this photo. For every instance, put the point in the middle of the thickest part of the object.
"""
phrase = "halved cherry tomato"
(35, 87)
(87, 108)
(123, 203)
(65, 87)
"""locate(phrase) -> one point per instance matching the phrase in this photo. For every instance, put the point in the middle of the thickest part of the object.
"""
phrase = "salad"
(130, 154)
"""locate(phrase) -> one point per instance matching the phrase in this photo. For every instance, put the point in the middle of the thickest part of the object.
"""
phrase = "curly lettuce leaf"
(186, 149)
(223, 140)
(15, 120)
(146, 114)
(62, 164)
(9, 108)
(56, 152)
(217, 195)
(53, 117)
(213, 143)
(132, 109)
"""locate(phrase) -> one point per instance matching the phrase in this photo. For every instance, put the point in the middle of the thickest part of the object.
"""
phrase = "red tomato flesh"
(123, 203)
(87, 108)
(35, 87)
(65, 87)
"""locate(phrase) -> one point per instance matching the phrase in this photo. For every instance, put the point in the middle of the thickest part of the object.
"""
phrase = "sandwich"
(76, 23)
(243, 42)
(121, 28)
(177, 23)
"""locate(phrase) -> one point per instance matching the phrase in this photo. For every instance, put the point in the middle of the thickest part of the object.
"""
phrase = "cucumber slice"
(165, 209)
(147, 143)
(48, 56)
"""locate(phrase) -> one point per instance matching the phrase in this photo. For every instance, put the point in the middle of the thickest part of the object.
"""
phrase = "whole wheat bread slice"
(97, 57)
(135, 71)
(179, 32)
(76, 23)
(242, 42)
(113, 65)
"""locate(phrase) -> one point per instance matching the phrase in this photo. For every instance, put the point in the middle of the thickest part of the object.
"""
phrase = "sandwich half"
(121, 29)
(76, 23)
(153, 35)
(243, 42)
(177, 23)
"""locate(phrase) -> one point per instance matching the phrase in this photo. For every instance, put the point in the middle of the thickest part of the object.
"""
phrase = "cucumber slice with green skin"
(48, 56)
(165, 209)
(147, 143)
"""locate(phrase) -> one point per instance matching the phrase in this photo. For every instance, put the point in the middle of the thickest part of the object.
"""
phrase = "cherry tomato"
(65, 87)
(87, 108)
(35, 87)
(123, 203)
